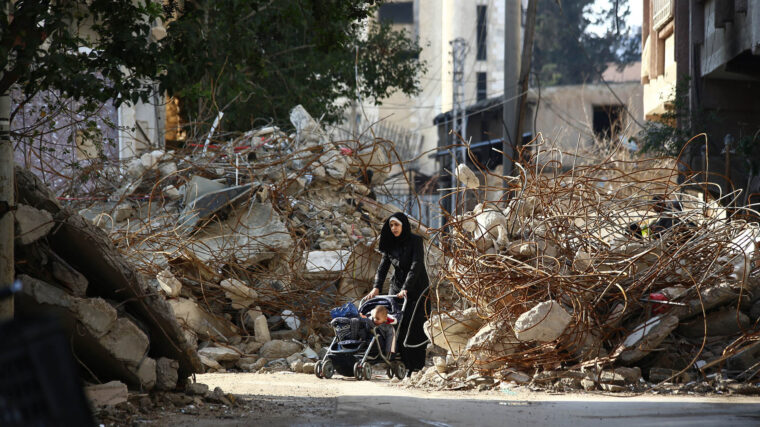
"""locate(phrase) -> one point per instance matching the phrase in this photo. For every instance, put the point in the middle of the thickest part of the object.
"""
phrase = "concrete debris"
(108, 394)
(220, 354)
(276, 349)
(614, 268)
(543, 323)
(466, 177)
(169, 284)
(31, 224)
(166, 374)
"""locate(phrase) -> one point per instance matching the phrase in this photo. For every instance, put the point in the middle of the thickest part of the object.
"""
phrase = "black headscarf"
(389, 242)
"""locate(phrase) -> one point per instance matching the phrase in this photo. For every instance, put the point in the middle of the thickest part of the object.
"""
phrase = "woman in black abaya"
(405, 252)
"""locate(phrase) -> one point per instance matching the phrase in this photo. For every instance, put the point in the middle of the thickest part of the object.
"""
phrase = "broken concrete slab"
(544, 322)
(97, 315)
(452, 331)
(277, 349)
(146, 373)
(75, 281)
(204, 324)
(645, 338)
(166, 374)
(108, 394)
(31, 224)
(261, 329)
(199, 186)
(171, 286)
(491, 342)
(241, 295)
(126, 342)
(326, 264)
(220, 354)
(250, 235)
(205, 206)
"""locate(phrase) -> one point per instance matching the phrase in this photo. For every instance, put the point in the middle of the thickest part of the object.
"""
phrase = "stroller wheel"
(328, 369)
(389, 373)
(318, 369)
(400, 370)
(358, 371)
(367, 368)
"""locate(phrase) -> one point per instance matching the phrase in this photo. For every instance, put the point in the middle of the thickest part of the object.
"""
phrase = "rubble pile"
(598, 278)
(252, 241)
(120, 329)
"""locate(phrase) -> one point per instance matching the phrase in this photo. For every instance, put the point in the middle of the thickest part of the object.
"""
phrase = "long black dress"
(407, 255)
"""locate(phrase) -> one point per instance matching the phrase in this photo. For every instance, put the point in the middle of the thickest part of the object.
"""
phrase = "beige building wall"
(565, 116)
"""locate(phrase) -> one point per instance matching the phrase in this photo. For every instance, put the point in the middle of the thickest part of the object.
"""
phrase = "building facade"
(712, 49)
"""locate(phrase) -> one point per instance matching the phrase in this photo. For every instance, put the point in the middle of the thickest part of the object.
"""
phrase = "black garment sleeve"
(382, 272)
(417, 266)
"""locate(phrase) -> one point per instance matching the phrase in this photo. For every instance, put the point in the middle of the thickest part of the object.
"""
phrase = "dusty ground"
(285, 399)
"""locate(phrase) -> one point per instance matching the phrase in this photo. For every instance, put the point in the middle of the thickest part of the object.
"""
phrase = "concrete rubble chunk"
(205, 206)
(248, 236)
(108, 394)
(467, 177)
(146, 373)
(200, 321)
(645, 338)
(171, 286)
(261, 329)
(453, 331)
(544, 322)
(69, 277)
(239, 292)
(199, 186)
(97, 315)
(45, 293)
(220, 354)
(126, 342)
(31, 224)
(326, 264)
(123, 211)
(209, 362)
(721, 322)
(277, 349)
(166, 374)
(196, 389)
(490, 343)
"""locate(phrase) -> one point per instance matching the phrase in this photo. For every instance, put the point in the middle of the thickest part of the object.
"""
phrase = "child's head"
(379, 314)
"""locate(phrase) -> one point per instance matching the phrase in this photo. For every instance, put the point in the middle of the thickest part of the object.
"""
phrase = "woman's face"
(395, 228)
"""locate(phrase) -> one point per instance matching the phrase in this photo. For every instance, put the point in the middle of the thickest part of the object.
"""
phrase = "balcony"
(662, 13)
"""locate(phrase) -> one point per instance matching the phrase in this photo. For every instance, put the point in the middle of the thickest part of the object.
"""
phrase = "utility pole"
(511, 66)
(458, 52)
(7, 202)
(527, 55)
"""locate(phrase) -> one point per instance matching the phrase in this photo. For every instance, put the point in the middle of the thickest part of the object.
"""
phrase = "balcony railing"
(662, 13)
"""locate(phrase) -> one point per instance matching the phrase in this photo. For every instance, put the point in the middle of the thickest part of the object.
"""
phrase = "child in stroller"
(361, 343)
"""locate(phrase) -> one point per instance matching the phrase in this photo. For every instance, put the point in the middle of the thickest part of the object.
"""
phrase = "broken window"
(397, 13)
(481, 28)
(607, 120)
(482, 86)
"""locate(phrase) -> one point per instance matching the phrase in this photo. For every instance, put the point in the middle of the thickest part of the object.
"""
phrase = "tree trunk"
(6, 200)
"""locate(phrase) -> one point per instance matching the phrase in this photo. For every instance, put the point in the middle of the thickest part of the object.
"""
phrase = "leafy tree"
(96, 50)
(258, 58)
(566, 52)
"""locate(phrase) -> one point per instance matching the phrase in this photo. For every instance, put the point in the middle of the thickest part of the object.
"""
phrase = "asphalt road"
(287, 399)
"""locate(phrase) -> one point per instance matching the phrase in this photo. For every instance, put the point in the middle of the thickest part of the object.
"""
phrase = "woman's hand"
(402, 294)
(373, 293)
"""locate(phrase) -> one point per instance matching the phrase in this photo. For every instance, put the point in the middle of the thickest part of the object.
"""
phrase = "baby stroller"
(357, 347)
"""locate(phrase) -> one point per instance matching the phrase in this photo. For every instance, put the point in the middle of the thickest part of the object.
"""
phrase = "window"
(481, 29)
(482, 87)
(607, 120)
(397, 13)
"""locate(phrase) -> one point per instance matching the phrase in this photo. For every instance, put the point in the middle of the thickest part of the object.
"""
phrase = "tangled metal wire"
(599, 239)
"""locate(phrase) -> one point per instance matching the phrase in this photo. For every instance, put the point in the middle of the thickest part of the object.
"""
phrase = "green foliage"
(566, 52)
(672, 129)
(97, 50)
(259, 58)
